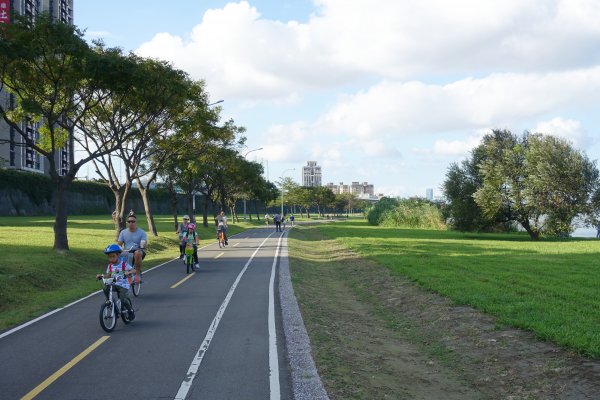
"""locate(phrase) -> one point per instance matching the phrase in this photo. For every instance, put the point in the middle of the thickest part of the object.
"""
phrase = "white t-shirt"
(116, 270)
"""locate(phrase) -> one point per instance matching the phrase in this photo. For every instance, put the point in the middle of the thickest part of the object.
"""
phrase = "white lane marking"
(195, 365)
(273, 358)
(235, 245)
(41, 317)
(219, 255)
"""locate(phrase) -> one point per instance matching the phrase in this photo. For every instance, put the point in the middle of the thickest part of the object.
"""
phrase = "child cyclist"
(191, 238)
(182, 230)
(119, 270)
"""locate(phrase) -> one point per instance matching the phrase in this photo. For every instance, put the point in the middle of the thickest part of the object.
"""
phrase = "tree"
(461, 183)
(561, 182)
(505, 177)
(305, 198)
(539, 181)
(139, 111)
(323, 197)
(347, 202)
(55, 79)
(287, 188)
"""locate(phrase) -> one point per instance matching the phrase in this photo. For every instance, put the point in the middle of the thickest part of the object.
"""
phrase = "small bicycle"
(189, 258)
(136, 287)
(221, 238)
(112, 308)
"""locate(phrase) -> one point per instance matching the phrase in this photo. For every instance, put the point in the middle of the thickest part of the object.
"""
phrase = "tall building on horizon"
(429, 194)
(311, 174)
(14, 153)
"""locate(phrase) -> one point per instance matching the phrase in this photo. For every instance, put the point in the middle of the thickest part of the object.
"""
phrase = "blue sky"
(384, 91)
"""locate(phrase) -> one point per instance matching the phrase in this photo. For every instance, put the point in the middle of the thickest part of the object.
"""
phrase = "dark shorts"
(143, 253)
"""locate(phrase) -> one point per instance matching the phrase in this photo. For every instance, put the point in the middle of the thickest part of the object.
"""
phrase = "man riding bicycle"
(134, 239)
(222, 225)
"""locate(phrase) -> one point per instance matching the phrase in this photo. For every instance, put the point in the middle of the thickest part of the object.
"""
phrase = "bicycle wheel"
(125, 316)
(136, 287)
(108, 317)
(188, 263)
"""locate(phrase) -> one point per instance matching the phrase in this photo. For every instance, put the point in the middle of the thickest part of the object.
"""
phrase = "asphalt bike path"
(206, 335)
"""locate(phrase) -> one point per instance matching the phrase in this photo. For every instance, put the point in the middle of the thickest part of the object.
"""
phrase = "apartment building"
(357, 188)
(311, 174)
(14, 153)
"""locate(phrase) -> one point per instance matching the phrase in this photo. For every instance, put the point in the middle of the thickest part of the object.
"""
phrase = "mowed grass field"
(551, 287)
(34, 279)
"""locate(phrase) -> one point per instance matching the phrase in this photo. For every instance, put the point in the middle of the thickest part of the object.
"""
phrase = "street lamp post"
(283, 173)
(194, 191)
(248, 152)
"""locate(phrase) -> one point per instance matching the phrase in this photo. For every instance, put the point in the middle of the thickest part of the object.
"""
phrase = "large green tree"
(461, 183)
(538, 181)
(54, 80)
(140, 112)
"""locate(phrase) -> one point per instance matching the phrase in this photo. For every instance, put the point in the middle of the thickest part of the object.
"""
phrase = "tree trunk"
(234, 216)
(120, 193)
(61, 240)
(147, 209)
(173, 200)
(534, 235)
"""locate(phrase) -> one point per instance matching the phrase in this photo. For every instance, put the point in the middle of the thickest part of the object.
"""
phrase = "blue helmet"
(112, 248)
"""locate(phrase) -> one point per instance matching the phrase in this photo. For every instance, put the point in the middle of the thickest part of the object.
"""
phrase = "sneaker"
(181, 257)
(196, 266)
(226, 244)
(131, 315)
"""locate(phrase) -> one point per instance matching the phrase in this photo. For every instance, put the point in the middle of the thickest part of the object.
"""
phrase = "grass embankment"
(35, 279)
(550, 287)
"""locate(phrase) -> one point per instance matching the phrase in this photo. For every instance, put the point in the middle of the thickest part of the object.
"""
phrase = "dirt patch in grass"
(379, 336)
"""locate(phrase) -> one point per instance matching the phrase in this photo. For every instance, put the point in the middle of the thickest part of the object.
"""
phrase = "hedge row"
(40, 188)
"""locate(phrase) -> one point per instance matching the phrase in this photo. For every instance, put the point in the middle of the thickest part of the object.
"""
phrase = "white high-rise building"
(429, 194)
(13, 151)
(311, 174)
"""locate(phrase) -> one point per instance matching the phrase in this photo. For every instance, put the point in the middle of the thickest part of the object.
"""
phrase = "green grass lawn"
(551, 287)
(35, 279)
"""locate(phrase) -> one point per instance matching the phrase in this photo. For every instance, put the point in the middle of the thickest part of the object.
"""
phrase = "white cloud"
(456, 147)
(403, 108)
(568, 129)
(241, 54)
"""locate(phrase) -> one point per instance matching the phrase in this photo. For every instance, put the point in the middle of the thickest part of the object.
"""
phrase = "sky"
(389, 92)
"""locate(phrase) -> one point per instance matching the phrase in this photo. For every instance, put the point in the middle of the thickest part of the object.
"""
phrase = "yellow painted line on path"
(183, 280)
(64, 369)
(219, 255)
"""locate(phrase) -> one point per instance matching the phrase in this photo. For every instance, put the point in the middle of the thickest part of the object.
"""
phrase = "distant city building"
(14, 153)
(311, 174)
(354, 188)
(429, 194)
(370, 197)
